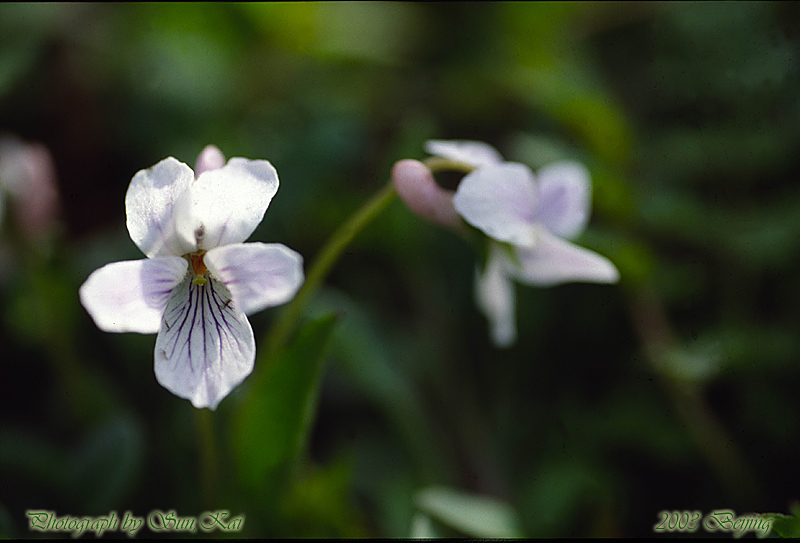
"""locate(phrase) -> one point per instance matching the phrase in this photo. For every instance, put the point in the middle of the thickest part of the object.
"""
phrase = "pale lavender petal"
(210, 158)
(227, 204)
(131, 296)
(495, 296)
(416, 186)
(205, 346)
(471, 153)
(565, 198)
(500, 201)
(258, 275)
(152, 202)
(553, 261)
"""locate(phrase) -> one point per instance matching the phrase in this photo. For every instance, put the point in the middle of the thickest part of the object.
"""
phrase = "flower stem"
(713, 441)
(327, 257)
(332, 250)
(208, 456)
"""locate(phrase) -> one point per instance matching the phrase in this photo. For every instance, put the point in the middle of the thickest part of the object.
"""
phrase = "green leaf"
(106, 467)
(478, 516)
(271, 427)
(31, 457)
(422, 527)
(786, 526)
(321, 504)
(373, 362)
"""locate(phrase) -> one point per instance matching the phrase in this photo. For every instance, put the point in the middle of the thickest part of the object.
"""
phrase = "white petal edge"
(225, 205)
(472, 153)
(500, 200)
(151, 207)
(130, 296)
(205, 346)
(259, 275)
(565, 198)
(554, 261)
(495, 296)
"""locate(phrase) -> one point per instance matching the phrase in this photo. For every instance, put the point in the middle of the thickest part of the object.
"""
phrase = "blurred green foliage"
(616, 403)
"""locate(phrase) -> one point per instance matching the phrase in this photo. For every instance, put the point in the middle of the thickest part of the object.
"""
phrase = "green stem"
(208, 456)
(327, 257)
(713, 441)
(330, 253)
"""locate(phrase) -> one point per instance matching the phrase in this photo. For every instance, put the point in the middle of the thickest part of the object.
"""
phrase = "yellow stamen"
(197, 263)
(199, 268)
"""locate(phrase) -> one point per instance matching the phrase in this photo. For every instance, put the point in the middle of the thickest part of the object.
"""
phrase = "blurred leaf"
(537, 151)
(105, 468)
(369, 358)
(15, 61)
(6, 524)
(477, 516)
(566, 90)
(31, 457)
(555, 496)
(320, 504)
(760, 237)
(422, 527)
(786, 526)
(633, 258)
(374, 32)
(272, 425)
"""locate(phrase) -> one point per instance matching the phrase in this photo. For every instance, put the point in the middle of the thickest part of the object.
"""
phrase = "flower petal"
(495, 296)
(565, 198)
(131, 296)
(150, 205)
(205, 346)
(258, 275)
(210, 158)
(499, 200)
(226, 204)
(554, 261)
(472, 153)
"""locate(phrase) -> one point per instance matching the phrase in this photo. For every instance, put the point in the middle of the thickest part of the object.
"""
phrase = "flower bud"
(416, 186)
(210, 158)
(28, 174)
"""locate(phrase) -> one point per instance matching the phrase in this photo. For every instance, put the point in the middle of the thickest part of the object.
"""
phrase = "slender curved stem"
(713, 441)
(327, 257)
(332, 250)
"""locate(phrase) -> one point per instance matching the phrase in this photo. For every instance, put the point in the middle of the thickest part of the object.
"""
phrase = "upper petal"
(259, 275)
(225, 205)
(500, 200)
(494, 294)
(131, 296)
(205, 346)
(472, 153)
(210, 158)
(554, 261)
(565, 196)
(151, 207)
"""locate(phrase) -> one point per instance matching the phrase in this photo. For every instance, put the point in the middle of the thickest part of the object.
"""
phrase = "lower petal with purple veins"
(205, 346)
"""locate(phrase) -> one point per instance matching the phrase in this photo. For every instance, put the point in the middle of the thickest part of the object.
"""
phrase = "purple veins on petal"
(205, 346)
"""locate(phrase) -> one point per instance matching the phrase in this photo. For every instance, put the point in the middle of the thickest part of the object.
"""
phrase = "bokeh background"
(674, 390)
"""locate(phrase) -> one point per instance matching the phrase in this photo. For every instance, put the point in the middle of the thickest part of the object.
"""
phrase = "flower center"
(199, 267)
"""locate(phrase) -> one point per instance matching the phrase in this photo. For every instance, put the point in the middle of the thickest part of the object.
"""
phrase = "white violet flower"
(534, 216)
(199, 281)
